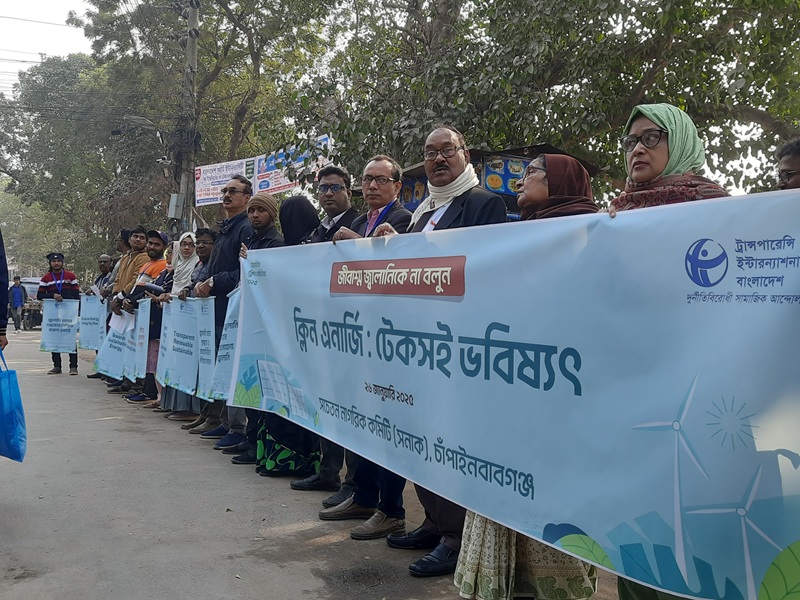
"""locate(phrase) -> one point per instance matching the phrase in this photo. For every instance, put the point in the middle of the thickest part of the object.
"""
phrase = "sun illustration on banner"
(731, 425)
(681, 440)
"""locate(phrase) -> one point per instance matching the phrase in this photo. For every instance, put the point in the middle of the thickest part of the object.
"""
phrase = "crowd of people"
(663, 155)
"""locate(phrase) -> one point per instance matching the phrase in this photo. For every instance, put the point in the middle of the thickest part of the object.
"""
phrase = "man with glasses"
(334, 195)
(789, 166)
(381, 183)
(456, 200)
(222, 278)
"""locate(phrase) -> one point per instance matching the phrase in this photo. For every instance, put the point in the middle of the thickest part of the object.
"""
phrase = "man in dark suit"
(334, 195)
(381, 183)
(455, 200)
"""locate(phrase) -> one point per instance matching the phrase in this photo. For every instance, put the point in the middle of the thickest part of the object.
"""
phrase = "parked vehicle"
(32, 310)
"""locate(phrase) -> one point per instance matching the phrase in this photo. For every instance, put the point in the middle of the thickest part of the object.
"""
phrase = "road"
(115, 502)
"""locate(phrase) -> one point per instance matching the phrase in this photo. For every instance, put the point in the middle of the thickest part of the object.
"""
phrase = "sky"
(21, 42)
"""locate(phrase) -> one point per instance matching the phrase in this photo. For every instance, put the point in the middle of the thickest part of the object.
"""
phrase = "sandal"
(160, 409)
(153, 404)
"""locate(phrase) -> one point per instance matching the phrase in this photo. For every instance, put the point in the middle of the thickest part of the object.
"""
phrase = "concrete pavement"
(115, 502)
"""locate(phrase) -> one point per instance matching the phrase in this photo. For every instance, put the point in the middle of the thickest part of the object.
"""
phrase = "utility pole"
(186, 135)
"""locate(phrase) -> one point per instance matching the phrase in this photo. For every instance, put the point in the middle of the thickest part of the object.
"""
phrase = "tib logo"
(706, 263)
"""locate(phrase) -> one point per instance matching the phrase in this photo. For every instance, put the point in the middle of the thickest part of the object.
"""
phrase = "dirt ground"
(115, 502)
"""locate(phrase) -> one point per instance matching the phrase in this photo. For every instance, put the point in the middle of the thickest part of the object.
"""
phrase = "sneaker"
(248, 458)
(347, 510)
(118, 389)
(73, 370)
(138, 399)
(54, 371)
(217, 433)
(230, 440)
(336, 499)
(196, 423)
(377, 526)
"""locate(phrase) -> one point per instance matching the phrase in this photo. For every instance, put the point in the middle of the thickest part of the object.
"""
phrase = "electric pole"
(186, 134)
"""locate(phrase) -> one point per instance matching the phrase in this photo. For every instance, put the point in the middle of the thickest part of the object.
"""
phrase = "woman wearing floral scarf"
(663, 153)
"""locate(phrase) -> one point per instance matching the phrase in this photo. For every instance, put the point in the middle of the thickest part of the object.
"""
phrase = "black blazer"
(398, 217)
(326, 235)
(475, 207)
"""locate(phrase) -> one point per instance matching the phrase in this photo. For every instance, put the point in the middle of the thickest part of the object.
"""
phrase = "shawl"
(182, 267)
(671, 189)
(439, 196)
(299, 219)
(686, 151)
(569, 188)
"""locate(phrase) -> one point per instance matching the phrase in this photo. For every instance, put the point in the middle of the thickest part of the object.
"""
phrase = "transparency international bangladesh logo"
(706, 263)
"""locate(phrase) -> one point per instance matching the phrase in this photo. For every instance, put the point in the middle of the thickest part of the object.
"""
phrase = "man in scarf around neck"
(381, 183)
(456, 200)
(262, 211)
(663, 154)
(59, 284)
(222, 277)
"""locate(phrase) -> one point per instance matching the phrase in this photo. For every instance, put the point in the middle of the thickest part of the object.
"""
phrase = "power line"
(21, 52)
(34, 21)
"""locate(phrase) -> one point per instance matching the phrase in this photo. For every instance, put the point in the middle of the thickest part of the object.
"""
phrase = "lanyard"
(378, 220)
(60, 282)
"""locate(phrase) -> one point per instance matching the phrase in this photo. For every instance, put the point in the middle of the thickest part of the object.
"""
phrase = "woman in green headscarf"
(663, 153)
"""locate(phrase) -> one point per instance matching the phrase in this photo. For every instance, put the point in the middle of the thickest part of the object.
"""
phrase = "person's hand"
(115, 306)
(344, 234)
(165, 297)
(202, 289)
(58, 297)
(183, 294)
(128, 306)
(105, 292)
(243, 251)
(612, 212)
(3, 342)
(89, 292)
(383, 230)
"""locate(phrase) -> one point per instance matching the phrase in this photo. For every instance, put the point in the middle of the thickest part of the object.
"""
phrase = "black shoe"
(248, 458)
(54, 371)
(113, 382)
(442, 561)
(95, 376)
(239, 448)
(419, 539)
(343, 494)
(315, 482)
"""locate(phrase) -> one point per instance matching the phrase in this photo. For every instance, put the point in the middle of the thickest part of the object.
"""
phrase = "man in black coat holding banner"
(456, 200)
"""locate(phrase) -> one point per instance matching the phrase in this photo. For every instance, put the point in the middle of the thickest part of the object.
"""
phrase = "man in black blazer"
(455, 200)
(334, 195)
(381, 183)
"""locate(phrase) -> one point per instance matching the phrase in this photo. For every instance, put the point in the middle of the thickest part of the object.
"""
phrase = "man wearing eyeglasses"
(334, 195)
(222, 277)
(789, 166)
(381, 183)
(456, 200)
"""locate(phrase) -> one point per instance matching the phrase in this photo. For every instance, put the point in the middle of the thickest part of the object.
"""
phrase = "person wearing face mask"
(663, 154)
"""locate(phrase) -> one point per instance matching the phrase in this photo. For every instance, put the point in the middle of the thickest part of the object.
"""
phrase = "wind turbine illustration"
(741, 510)
(681, 441)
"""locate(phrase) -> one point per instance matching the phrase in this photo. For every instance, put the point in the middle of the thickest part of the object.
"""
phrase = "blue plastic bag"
(13, 437)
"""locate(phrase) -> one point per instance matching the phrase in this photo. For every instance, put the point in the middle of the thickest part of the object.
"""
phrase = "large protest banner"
(59, 326)
(624, 389)
(110, 359)
(223, 369)
(92, 322)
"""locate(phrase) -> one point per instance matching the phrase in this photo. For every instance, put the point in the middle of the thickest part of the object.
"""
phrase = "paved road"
(114, 502)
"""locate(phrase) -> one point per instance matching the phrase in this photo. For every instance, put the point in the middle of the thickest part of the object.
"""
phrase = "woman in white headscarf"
(184, 260)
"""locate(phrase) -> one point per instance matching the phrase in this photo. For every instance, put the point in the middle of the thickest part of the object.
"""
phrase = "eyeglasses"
(231, 191)
(203, 243)
(333, 187)
(366, 180)
(649, 139)
(530, 169)
(448, 152)
(784, 176)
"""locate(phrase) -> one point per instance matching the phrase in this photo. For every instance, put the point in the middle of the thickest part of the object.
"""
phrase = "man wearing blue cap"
(59, 284)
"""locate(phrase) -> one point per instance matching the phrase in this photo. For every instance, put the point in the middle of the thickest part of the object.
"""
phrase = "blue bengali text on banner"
(111, 356)
(59, 325)
(180, 356)
(142, 338)
(223, 369)
(622, 389)
(92, 321)
(206, 351)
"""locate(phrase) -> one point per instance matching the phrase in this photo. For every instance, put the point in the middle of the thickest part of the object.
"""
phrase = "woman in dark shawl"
(497, 563)
(283, 447)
